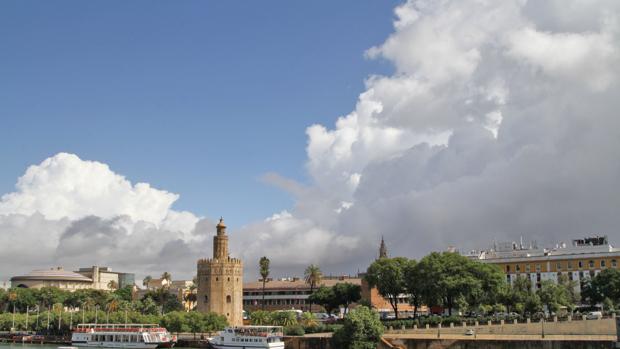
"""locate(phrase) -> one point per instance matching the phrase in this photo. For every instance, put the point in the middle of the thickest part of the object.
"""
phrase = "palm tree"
(264, 273)
(313, 277)
(166, 276)
(146, 281)
(113, 285)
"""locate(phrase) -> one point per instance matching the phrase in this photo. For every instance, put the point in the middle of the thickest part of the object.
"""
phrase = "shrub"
(294, 330)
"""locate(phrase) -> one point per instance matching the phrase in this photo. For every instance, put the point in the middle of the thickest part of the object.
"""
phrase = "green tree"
(167, 277)
(430, 271)
(346, 293)
(414, 284)
(147, 279)
(175, 321)
(554, 295)
(148, 306)
(125, 293)
(325, 297)
(196, 322)
(362, 329)
(387, 275)
(313, 277)
(172, 303)
(49, 296)
(264, 273)
(604, 285)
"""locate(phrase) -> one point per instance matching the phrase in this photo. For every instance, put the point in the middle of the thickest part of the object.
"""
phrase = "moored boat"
(135, 336)
(248, 337)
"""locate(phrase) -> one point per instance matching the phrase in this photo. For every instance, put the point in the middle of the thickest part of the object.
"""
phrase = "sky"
(128, 129)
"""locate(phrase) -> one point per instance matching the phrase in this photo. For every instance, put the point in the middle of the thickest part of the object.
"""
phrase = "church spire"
(382, 249)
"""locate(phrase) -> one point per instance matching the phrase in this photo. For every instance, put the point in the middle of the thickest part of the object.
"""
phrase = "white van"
(594, 315)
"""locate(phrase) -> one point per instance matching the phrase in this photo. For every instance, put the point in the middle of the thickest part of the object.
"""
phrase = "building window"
(538, 267)
(603, 264)
(508, 269)
(570, 265)
(559, 266)
(580, 264)
(206, 299)
(614, 263)
(527, 268)
(228, 279)
(518, 268)
(228, 299)
(591, 264)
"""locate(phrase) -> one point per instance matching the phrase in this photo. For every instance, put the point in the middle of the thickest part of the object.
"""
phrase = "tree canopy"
(362, 329)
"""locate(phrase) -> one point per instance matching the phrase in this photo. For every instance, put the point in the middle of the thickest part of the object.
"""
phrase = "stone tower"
(382, 249)
(220, 281)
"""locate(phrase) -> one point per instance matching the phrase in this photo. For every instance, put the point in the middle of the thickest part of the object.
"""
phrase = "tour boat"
(138, 336)
(249, 337)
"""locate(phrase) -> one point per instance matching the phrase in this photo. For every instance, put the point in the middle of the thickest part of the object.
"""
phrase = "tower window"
(228, 279)
(228, 299)
(217, 279)
(206, 299)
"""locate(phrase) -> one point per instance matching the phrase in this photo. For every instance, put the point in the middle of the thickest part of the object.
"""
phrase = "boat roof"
(256, 327)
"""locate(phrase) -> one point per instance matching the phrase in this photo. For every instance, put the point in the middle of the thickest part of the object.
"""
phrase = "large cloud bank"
(500, 121)
(71, 212)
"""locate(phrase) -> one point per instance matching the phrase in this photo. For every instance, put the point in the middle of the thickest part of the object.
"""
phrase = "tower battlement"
(220, 281)
(229, 260)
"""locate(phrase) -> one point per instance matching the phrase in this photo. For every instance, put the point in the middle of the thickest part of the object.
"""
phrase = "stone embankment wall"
(502, 344)
(576, 334)
(602, 327)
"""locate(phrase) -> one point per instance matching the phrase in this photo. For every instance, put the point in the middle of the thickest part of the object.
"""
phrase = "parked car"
(470, 332)
(321, 316)
(594, 315)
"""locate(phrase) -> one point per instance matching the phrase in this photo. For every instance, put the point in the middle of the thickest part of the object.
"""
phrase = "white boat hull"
(115, 345)
(247, 346)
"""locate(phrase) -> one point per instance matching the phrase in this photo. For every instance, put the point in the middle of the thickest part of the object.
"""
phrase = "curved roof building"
(55, 277)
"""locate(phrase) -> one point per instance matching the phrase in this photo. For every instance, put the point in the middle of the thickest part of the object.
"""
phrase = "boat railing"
(119, 327)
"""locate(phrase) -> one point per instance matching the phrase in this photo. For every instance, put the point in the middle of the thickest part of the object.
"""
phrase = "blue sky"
(200, 98)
